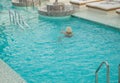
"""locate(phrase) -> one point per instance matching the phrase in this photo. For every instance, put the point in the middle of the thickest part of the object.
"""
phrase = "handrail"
(21, 18)
(17, 19)
(119, 73)
(13, 17)
(107, 72)
(10, 16)
(24, 23)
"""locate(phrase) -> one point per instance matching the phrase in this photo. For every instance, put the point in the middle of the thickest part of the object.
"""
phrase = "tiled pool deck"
(7, 75)
(107, 18)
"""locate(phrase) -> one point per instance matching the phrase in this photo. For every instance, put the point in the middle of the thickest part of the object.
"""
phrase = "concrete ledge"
(8, 75)
(101, 18)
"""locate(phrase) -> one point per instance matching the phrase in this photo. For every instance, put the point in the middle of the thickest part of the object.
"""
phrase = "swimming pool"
(39, 57)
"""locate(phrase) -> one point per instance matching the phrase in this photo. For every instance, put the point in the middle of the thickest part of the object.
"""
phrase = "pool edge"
(75, 16)
(8, 75)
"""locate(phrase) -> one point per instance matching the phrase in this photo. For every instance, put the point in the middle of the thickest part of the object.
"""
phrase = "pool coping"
(110, 18)
(75, 16)
(8, 75)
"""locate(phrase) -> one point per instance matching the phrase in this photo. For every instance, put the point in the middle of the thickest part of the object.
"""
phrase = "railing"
(17, 19)
(11, 17)
(119, 73)
(24, 23)
(107, 72)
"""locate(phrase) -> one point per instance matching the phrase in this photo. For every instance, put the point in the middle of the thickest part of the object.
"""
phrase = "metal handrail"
(17, 19)
(15, 13)
(21, 20)
(24, 23)
(107, 72)
(119, 73)
(11, 17)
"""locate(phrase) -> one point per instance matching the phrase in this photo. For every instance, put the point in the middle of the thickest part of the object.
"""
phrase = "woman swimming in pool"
(68, 32)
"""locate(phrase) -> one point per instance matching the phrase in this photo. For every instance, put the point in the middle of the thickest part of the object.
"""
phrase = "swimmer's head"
(69, 29)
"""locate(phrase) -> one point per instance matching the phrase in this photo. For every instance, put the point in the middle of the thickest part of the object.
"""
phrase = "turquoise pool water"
(39, 57)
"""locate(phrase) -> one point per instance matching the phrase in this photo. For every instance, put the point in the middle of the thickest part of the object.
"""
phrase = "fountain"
(56, 9)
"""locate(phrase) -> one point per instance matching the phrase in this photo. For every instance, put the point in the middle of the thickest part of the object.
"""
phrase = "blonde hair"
(68, 29)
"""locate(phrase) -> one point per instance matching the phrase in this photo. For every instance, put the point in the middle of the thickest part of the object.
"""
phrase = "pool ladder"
(17, 19)
(107, 72)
